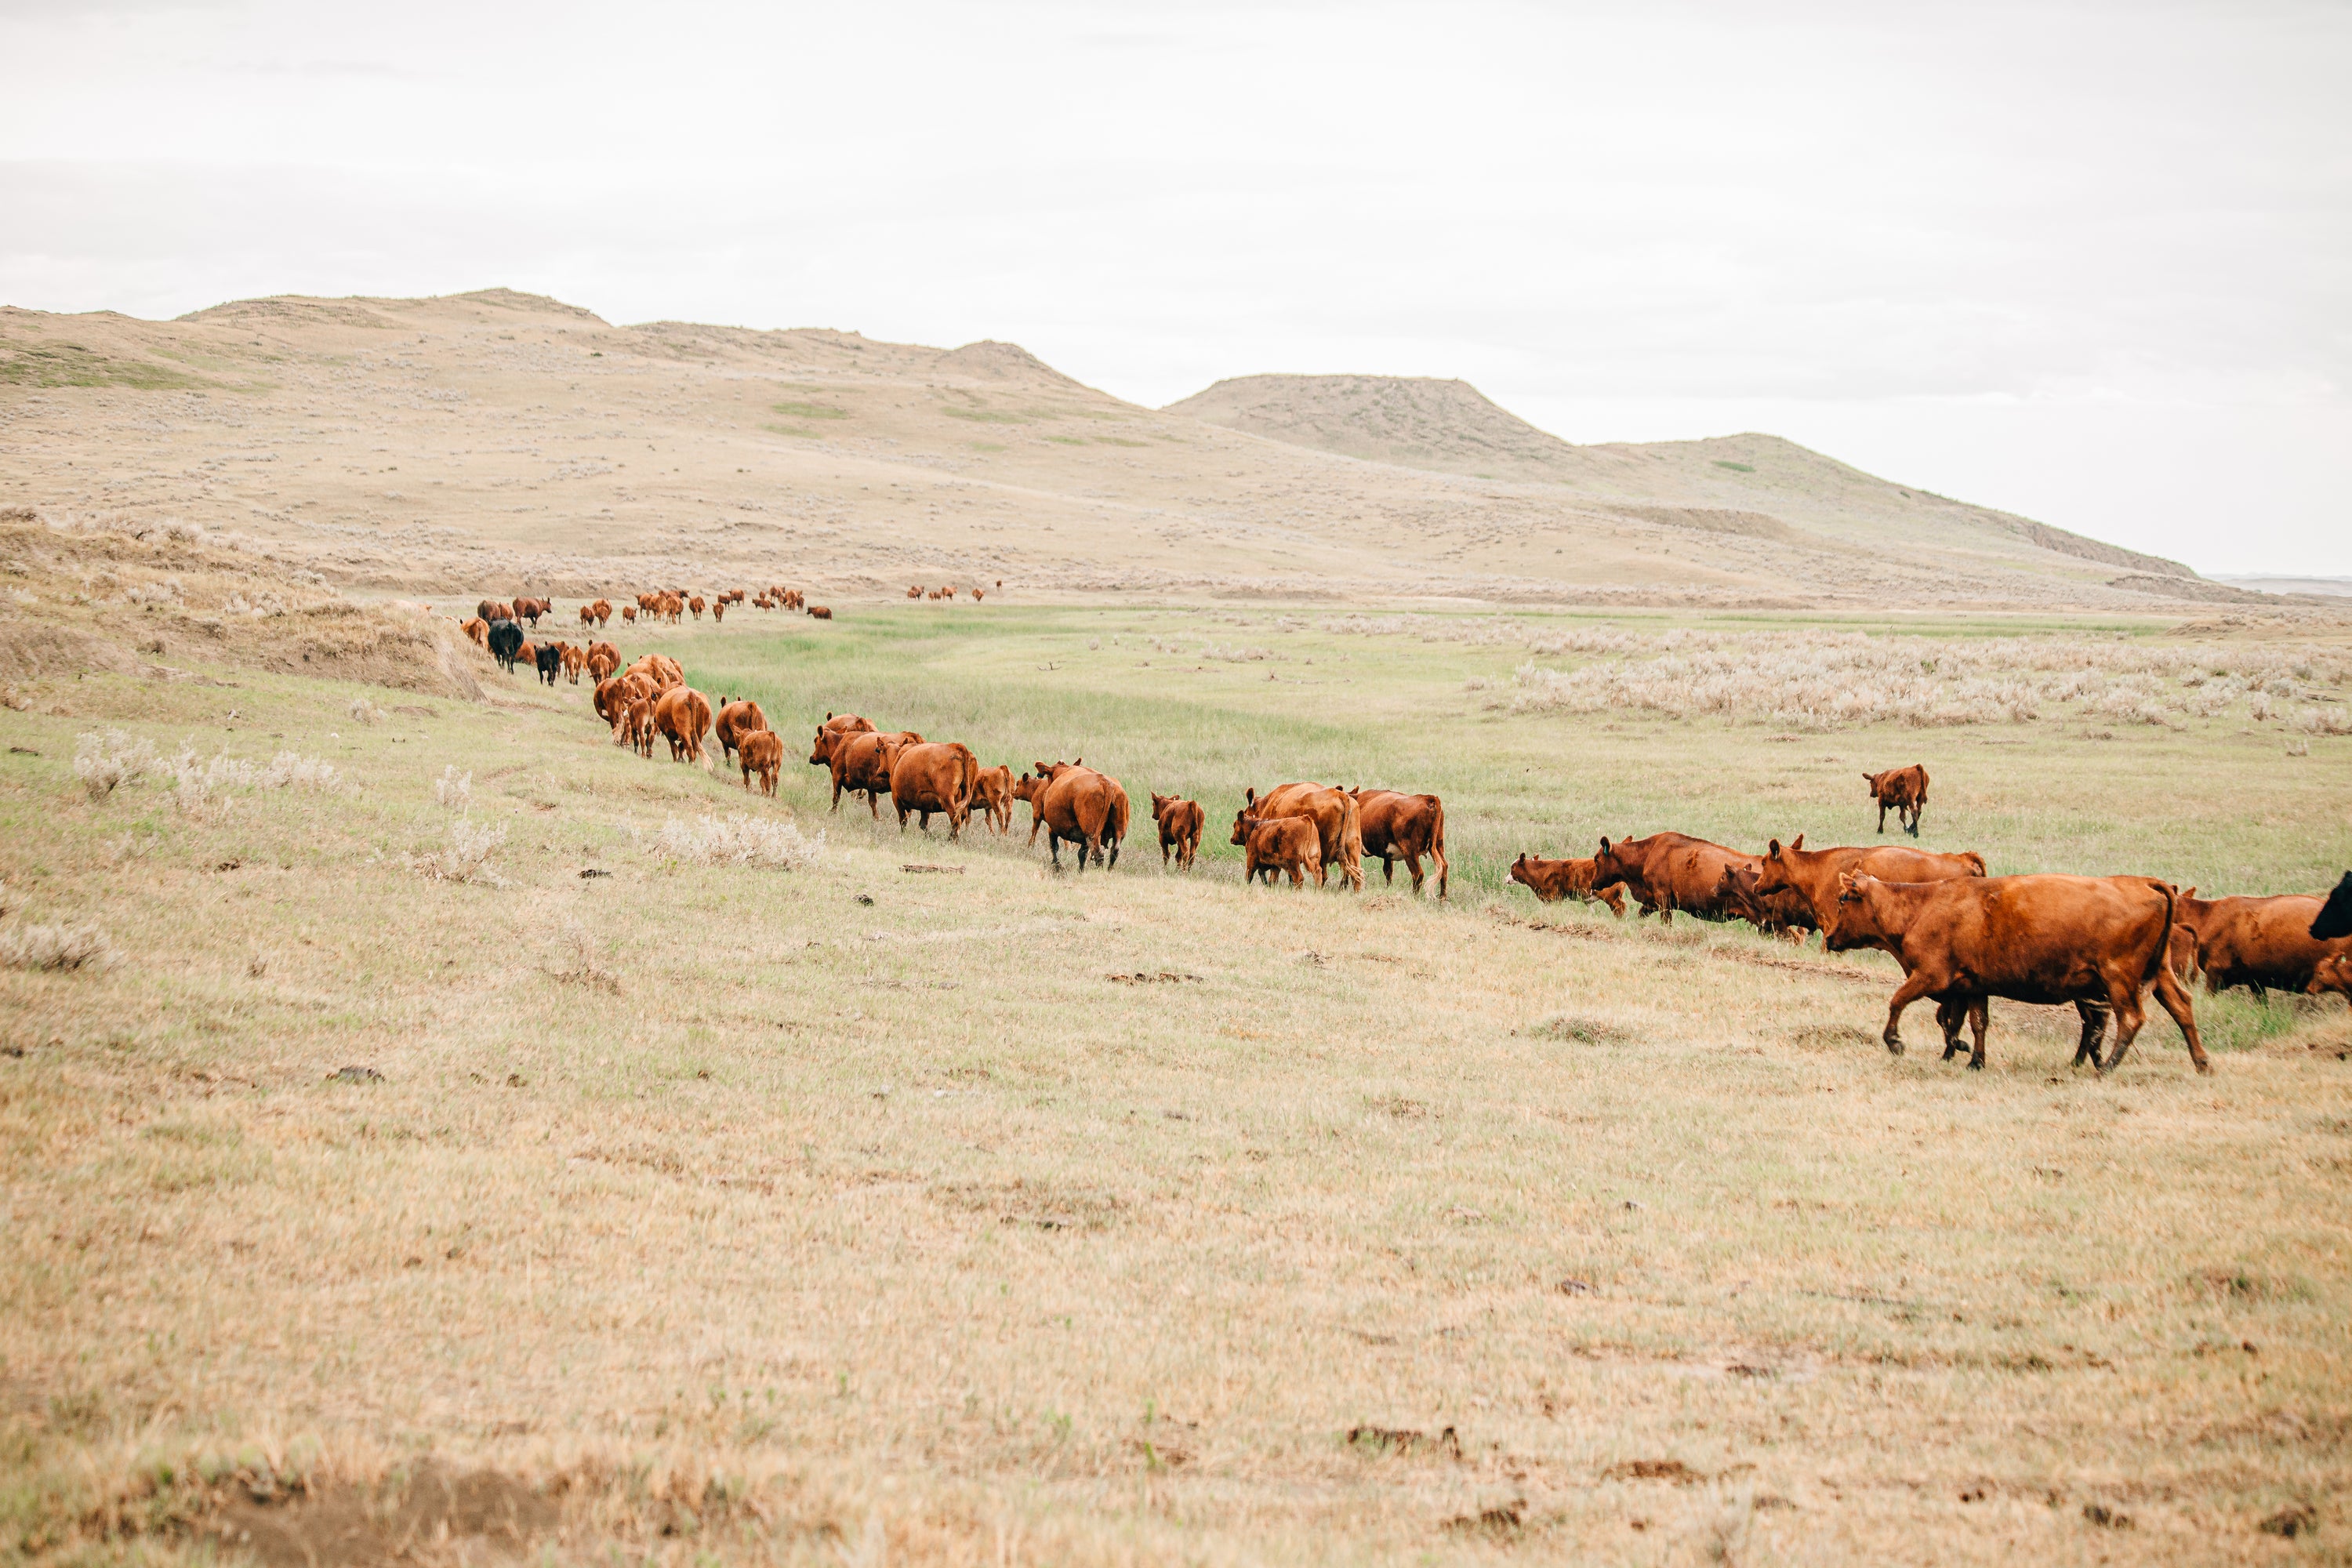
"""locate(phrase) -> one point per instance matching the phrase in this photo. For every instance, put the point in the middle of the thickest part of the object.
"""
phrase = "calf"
(1903, 791)
(1338, 822)
(1406, 826)
(2334, 972)
(761, 752)
(1552, 881)
(1812, 874)
(1277, 844)
(506, 643)
(2041, 939)
(549, 658)
(1782, 912)
(992, 790)
(735, 720)
(1179, 827)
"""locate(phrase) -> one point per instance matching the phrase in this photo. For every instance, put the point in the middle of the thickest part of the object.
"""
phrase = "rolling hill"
(499, 438)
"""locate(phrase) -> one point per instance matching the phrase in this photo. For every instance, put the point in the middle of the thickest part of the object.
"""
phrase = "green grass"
(811, 410)
(1734, 468)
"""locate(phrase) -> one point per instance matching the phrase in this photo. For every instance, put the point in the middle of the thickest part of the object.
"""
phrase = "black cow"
(550, 661)
(2336, 915)
(506, 643)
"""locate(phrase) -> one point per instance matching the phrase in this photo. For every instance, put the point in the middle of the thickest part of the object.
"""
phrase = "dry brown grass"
(706, 1213)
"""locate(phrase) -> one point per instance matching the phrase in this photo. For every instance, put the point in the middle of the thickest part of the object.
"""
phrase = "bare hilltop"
(498, 437)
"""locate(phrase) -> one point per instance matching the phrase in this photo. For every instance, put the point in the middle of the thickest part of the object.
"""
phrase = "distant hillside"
(500, 439)
(1453, 427)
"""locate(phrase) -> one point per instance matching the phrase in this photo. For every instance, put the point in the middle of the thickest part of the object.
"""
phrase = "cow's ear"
(1772, 851)
(1798, 842)
(1604, 844)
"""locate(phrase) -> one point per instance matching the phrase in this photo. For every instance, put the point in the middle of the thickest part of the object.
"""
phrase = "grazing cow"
(1078, 805)
(915, 591)
(1812, 874)
(506, 643)
(2334, 972)
(549, 658)
(1552, 881)
(717, 611)
(2041, 939)
(1670, 871)
(992, 790)
(1903, 791)
(762, 754)
(861, 764)
(936, 775)
(696, 605)
(1784, 912)
(1403, 825)
(683, 716)
(587, 614)
(819, 613)
(1338, 822)
(1273, 845)
(1180, 822)
(479, 631)
(629, 613)
(735, 720)
(493, 610)
(2260, 944)
(2336, 919)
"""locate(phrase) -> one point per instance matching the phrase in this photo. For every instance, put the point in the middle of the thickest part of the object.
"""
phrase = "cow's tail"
(1437, 845)
(1114, 826)
(2163, 953)
(1351, 840)
(967, 779)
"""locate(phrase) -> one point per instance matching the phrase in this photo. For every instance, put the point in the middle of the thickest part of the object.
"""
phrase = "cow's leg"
(2123, 1001)
(1952, 1012)
(874, 805)
(1919, 984)
(2095, 1032)
(1413, 864)
(1388, 871)
(1882, 816)
(2173, 997)
(1114, 855)
(836, 792)
(1444, 871)
(1980, 1017)
(1053, 846)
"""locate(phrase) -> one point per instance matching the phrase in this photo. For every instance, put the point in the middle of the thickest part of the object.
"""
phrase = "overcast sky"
(2091, 263)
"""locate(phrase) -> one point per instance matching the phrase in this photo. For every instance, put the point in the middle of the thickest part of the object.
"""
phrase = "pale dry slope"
(495, 440)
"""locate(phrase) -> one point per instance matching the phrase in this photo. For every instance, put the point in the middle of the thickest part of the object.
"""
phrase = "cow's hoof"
(1894, 1045)
(1976, 1064)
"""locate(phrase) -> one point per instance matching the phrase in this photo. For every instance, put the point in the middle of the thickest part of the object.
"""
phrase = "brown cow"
(978, 595)
(1903, 791)
(494, 610)
(1081, 805)
(1783, 912)
(601, 664)
(575, 661)
(717, 611)
(994, 791)
(604, 609)
(819, 613)
(1670, 871)
(1273, 845)
(2332, 973)
(611, 699)
(861, 765)
(937, 775)
(830, 733)
(2259, 943)
(661, 669)
(587, 614)
(1406, 826)
(531, 609)
(1552, 881)
(629, 613)
(636, 727)
(696, 605)
(2038, 939)
(1180, 822)
(479, 630)
(606, 649)
(761, 753)
(683, 716)
(1338, 822)
(915, 591)
(1812, 874)
(735, 720)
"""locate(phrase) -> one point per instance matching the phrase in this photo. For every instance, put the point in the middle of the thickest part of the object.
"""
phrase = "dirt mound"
(991, 360)
(1415, 421)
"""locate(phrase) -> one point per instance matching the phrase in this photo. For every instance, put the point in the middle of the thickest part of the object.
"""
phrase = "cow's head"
(1519, 870)
(1608, 864)
(1850, 921)
(1242, 823)
(1772, 876)
(2332, 973)
(1028, 788)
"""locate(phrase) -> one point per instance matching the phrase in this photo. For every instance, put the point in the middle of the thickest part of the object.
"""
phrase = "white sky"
(2089, 262)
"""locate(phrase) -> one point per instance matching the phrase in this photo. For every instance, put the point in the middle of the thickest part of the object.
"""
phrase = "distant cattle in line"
(1180, 822)
(601, 664)
(549, 658)
(2100, 941)
(2335, 917)
(629, 613)
(1670, 871)
(1273, 845)
(531, 609)
(696, 605)
(604, 609)
(732, 596)
(479, 630)
(1903, 791)
(1403, 827)
(992, 790)
(718, 612)
(735, 720)
(1081, 805)
(861, 764)
(1812, 874)
(683, 716)
(1552, 881)
(978, 595)
(762, 755)
(819, 613)
(1338, 822)
(2260, 944)
(506, 643)
(936, 775)
(915, 591)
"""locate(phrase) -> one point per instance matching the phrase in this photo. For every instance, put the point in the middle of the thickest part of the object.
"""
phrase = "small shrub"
(467, 856)
(55, 947)
(365, 712)
(738, 841)
(105, 763)
(453, 789)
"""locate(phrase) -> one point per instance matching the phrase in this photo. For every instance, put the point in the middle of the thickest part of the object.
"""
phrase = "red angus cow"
(861, 765)
(735, 720)
(992, 790)
(1812, 874)
(1180, 823)
(1079, 805)
(1406, 826)
(683, 716)
(1903, 791)
(2046, 939)
(1552, 881)
(1273, 845)
(760, 755)
(1785, 912)
(1670, 871)
(937, 775)
(2260, 944)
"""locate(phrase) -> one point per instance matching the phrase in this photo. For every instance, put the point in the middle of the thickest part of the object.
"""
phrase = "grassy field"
(719, 1212)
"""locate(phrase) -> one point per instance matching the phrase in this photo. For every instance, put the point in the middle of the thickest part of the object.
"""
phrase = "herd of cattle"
(1962, 937)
